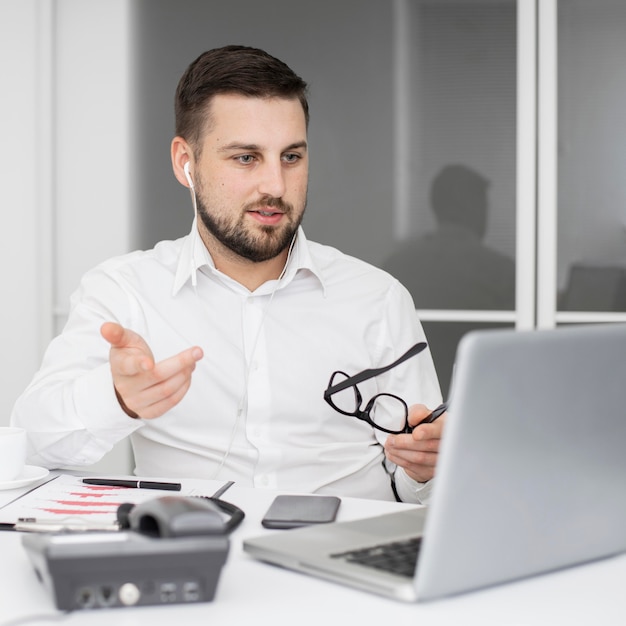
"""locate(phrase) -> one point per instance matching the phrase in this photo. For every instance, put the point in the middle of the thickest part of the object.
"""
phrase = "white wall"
(20, 327)
(65, 184)
(92, 138)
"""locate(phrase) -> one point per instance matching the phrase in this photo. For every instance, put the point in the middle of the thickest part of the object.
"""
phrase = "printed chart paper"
(66, 503)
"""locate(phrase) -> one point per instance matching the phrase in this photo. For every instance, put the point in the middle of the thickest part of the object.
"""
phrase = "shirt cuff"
(410, 490)
(97, 404)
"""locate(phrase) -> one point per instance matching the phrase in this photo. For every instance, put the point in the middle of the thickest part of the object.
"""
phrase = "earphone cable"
(242, 406)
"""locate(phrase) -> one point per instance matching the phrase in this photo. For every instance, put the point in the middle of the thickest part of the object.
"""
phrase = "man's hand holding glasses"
(417, 452)
(414, 432)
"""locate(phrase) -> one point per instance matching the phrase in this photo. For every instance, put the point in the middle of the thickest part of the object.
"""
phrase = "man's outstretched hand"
(144, 388)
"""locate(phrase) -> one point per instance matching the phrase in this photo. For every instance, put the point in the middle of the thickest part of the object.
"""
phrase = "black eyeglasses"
(384, 410)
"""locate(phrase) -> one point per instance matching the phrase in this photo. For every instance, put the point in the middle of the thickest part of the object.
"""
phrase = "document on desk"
(66, 503)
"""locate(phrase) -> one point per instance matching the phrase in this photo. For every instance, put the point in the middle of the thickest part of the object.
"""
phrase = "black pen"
(438, 412)
(222, 490)
(134, 484)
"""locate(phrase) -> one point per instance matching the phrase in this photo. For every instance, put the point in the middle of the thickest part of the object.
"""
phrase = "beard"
(264, 244)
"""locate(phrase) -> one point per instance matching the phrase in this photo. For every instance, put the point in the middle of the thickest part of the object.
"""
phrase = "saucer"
(30, 474)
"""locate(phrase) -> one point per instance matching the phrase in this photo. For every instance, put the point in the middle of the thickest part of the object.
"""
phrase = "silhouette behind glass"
(451, 268)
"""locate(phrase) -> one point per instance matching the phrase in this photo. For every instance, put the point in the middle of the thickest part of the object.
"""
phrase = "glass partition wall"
(582, 209)
(455, 204)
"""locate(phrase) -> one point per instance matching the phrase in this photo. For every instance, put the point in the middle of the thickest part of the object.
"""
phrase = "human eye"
(245, 159)
(291, 157)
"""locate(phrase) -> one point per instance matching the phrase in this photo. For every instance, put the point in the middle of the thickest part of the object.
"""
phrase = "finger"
(417, 413)
(129, 354)
(117, 335)
(432, 431)
(407, 444)
(413, 452)
(140, 389)
(158, 399)
(160, 388)
(418, 465)
(127, 362)
(183, 362)
(415, 460)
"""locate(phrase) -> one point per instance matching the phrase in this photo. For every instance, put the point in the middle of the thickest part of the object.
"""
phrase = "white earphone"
(188, 175)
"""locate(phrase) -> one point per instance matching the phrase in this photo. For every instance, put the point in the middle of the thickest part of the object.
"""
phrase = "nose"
(272, 179)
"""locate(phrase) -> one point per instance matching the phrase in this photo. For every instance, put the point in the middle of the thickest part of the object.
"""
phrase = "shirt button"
(263, 481)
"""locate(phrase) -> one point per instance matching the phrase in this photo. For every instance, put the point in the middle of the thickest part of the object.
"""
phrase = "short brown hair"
(231, 70)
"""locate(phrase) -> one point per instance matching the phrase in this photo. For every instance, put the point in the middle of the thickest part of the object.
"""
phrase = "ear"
(181, 153)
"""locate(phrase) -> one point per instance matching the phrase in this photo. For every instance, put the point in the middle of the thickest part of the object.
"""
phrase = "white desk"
(251, 592)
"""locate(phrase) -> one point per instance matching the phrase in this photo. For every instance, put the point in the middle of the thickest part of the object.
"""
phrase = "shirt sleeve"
(416, 383)
(410, 490)
(70, 410)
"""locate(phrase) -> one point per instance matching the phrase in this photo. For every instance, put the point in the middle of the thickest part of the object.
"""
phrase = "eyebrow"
(253, 147)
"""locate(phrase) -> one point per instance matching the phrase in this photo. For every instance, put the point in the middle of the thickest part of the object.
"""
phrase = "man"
(219, 346)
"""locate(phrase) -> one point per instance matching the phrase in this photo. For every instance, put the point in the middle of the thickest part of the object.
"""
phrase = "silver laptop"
(531, 475)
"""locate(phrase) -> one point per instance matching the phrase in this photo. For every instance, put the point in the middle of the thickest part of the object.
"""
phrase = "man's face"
(251, 177)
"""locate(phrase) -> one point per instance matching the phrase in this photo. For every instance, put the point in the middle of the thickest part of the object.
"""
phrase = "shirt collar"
(194, 256)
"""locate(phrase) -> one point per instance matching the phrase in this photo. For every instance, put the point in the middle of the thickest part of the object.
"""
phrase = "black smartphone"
(292, 511)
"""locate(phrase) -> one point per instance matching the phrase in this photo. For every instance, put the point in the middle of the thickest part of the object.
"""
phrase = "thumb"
(132, 353)
(120, 337)
(418, 412)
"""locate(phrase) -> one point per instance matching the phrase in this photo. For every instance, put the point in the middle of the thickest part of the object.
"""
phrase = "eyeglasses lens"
(347, 400)
(388, 413)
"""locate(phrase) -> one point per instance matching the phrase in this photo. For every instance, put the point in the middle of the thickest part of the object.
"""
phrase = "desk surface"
(257, 593)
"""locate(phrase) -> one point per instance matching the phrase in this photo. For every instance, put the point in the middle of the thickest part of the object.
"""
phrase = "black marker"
(438, 412)
(134, 484)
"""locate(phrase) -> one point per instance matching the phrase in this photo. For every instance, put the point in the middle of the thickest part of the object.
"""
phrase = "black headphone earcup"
(123, 513)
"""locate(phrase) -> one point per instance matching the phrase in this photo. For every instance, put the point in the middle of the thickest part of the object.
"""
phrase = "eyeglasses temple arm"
(370, 373)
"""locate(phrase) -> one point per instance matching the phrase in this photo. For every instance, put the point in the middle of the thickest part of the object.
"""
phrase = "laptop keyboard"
(398, 557)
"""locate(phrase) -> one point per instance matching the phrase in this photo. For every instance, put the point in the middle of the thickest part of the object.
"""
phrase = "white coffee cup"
(12, 452)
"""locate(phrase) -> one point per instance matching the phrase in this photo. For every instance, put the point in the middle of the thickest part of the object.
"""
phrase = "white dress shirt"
(255, 411)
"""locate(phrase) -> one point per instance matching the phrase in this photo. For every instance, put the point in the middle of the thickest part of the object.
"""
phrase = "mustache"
(274, 203)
